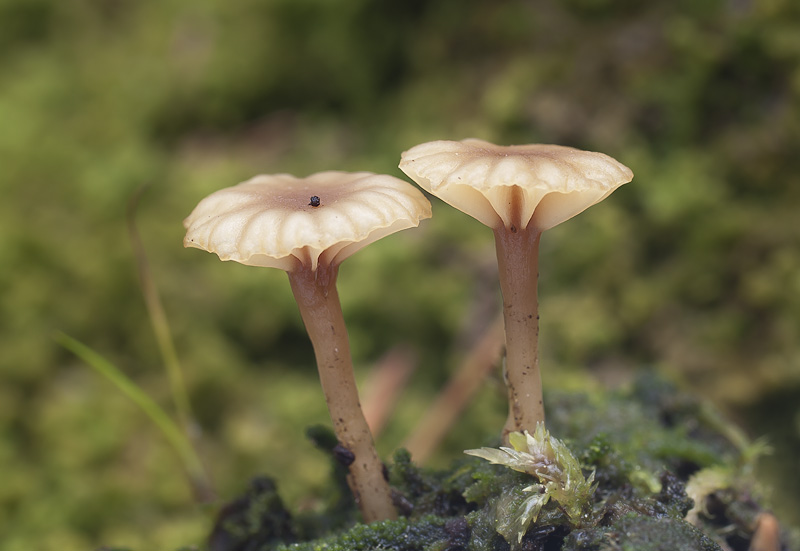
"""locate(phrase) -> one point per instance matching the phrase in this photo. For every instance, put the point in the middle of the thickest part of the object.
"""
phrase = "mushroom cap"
(286, 222)
(515, 185)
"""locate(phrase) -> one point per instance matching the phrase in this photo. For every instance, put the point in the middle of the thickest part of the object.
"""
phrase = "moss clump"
(426, 533)
(641, 533)
(255, 520)
(642, 446)
(424, 492)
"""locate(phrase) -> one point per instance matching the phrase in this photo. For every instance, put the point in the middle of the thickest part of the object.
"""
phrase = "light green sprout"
(559, 478)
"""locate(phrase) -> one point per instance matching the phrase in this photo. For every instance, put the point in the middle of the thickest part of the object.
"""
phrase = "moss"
(422, 492)
(641, 468)
(639, 432)
(641, 533)
(427, 533)
(256, 519)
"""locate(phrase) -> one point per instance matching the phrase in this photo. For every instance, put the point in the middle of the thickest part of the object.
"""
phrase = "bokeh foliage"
(694, 267)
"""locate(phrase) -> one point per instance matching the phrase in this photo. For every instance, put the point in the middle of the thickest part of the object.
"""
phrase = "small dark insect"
(314, 201)
(343, 455)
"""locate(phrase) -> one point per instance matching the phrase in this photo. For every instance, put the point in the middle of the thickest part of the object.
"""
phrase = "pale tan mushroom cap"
(542, 185)
(270, 221)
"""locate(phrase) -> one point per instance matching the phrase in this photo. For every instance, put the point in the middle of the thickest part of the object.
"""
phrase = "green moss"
(636, 433)
(257, 519)
(640, 501)
(641, 533)
(427, 533)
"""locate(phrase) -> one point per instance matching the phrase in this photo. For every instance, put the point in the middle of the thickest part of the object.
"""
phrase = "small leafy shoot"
(559, 479)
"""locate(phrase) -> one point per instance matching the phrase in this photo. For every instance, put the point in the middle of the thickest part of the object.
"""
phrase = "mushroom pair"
(518, 191)
(307, 227)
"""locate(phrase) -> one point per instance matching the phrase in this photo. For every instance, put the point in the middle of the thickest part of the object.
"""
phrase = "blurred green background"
(694, 268)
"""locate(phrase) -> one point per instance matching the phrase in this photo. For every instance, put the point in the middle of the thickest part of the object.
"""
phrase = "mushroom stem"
(518, 264)
(318, 300)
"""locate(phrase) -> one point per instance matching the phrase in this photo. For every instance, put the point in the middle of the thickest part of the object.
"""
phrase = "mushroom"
(307, 227)
(518, 191)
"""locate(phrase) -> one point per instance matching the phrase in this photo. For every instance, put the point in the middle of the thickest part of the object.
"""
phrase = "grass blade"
(174, 435)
